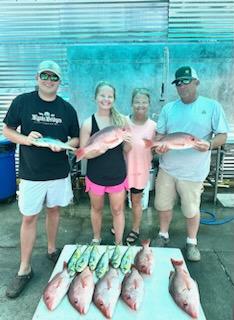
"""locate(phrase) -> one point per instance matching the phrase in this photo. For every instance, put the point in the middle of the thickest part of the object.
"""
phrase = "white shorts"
(34, 194)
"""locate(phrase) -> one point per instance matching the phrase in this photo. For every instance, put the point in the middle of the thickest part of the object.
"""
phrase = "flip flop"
(132, 237)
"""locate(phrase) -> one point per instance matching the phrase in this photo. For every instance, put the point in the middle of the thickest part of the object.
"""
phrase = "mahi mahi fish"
(184, 289)
(133, 289)
(175, 141)
(107, 138)
(57, 288)
(51, 142)
(107, 292)
(81, 291)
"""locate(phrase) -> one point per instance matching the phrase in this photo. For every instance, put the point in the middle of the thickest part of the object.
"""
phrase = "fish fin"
(136, 284)
(80, 154)
(109, 284)
(146, 242)
(148, 143)
(187, 280)
(83, 282)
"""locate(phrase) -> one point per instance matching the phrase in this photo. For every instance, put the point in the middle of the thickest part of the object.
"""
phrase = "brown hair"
(142, 91)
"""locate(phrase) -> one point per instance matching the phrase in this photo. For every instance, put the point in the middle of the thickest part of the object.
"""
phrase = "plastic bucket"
(7, 169)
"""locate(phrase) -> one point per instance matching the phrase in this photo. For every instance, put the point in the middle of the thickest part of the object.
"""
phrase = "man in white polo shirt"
(182, 172)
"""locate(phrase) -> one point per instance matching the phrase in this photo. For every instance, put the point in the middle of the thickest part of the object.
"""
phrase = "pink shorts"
(101, 190)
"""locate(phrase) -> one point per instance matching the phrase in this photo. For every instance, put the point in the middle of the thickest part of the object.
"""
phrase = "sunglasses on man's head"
(45, 76)
(183, 81)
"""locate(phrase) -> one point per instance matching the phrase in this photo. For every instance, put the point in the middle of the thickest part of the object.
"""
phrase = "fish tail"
(176, 262)
(80, 154)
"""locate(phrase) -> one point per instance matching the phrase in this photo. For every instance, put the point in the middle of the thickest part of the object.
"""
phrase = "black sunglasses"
(45, 76)
(178, 83)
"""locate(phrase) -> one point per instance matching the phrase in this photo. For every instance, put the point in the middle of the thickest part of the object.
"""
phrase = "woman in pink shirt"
(139, 157)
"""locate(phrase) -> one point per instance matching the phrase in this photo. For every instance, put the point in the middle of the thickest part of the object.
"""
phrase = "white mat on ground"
(226, 199)
(157, 303)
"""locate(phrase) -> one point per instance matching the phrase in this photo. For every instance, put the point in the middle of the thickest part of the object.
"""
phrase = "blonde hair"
(117, 117)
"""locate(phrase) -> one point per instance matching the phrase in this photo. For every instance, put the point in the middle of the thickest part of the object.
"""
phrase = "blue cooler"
(7, 169)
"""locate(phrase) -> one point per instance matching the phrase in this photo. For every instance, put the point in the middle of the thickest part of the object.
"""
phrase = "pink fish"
(144, 259)
(81, 291)
(133, 289)
(107, 138)
(57, 288)
(176, 141)
(184, 289)
(107, 292)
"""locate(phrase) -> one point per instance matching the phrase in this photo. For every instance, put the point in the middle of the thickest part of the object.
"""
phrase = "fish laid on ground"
(174, 141)
(71, 265)
(83, 261)
(144, 260)
(107, 138)
(48, 142)
(103, 264)
(184, 289)
(116, 257)
(57, 288)
(127, 260)
(107, 292)
(94, 258)
(81, 291)
(133, 289)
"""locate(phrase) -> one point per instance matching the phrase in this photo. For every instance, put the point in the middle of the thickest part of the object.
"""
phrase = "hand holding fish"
(202, 145)
(31, 137)
(163, 148)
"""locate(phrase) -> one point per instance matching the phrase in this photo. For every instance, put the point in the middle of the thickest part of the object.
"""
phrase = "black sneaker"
(18, 284)
(54, 255)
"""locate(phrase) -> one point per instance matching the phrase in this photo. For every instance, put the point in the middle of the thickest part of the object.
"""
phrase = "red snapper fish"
(184, 289)
(107, 292)
(174, 141)
(107, 138)
(144, 260)
(57, 288)
(81, 291)
(133, 289)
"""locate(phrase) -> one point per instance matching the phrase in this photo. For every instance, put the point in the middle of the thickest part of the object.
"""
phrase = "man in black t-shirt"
(43, 172)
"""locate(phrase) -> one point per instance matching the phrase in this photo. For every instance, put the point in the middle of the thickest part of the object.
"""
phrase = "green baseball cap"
(49, 65)
(185, 72)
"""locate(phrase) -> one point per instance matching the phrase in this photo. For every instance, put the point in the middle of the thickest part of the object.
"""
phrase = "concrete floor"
(214, 273)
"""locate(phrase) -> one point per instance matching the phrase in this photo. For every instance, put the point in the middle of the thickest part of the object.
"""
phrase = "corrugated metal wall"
(33, 30)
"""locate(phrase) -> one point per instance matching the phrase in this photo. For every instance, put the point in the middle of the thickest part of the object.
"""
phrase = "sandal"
(132, 237)
(18, 284)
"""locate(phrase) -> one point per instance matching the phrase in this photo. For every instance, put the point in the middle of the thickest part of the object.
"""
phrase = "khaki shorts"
(34, 194)
(167, 189)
